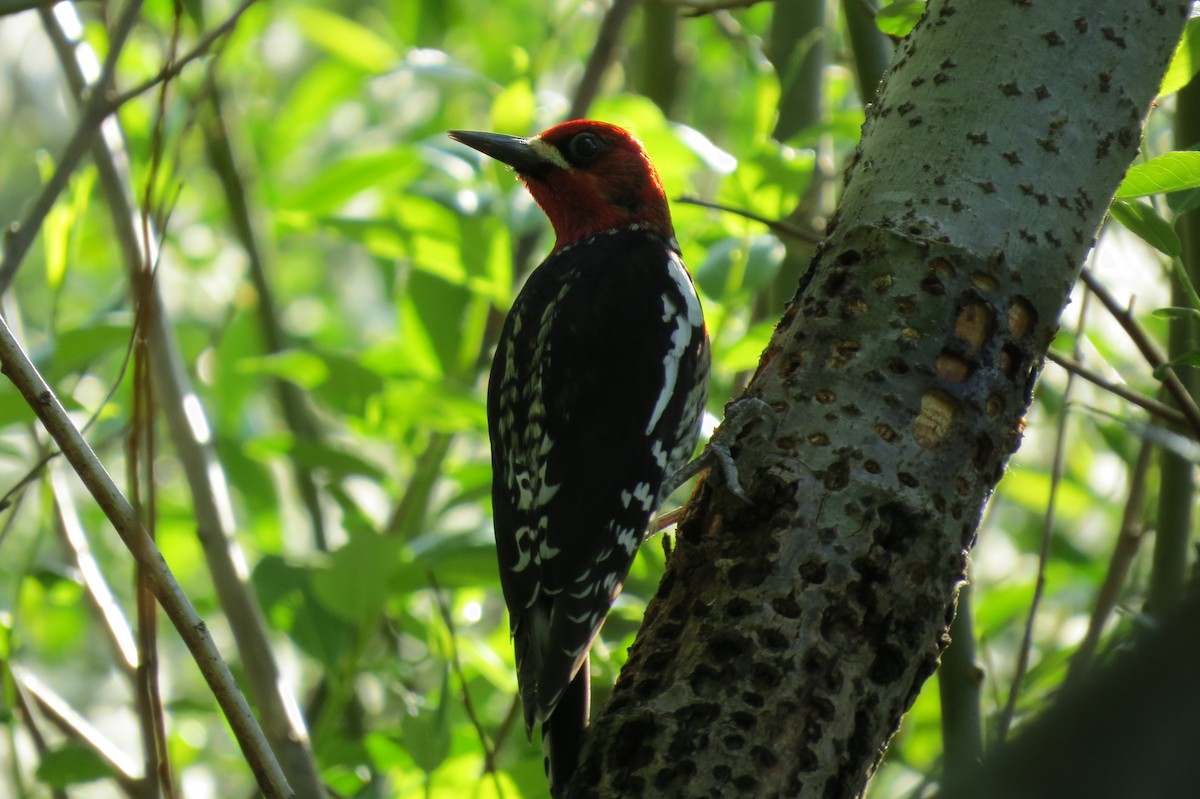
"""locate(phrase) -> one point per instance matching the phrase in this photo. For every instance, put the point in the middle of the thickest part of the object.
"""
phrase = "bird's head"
(587, 176)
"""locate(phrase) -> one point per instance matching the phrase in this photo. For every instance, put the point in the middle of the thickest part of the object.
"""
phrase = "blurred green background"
(341, 365)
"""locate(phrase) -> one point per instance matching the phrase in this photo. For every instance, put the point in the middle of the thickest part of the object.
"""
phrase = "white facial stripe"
(548, 152)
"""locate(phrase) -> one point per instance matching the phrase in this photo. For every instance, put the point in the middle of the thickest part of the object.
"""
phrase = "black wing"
(596, 393)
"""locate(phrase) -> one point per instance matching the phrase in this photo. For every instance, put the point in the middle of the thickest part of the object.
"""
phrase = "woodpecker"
(595, 399)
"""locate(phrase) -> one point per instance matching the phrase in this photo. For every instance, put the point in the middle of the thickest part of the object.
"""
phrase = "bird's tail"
(563, 731)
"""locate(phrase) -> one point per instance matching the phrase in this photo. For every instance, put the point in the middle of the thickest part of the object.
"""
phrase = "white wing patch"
(686, 324)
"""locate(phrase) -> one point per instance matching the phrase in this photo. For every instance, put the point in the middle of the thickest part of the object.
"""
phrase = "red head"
(587, 176)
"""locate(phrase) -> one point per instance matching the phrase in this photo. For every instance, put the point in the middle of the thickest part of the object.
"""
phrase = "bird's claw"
(739, 415)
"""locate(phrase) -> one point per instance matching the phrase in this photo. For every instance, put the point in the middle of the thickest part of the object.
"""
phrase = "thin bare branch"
(19, 237)
(1004, 721)
(489, 750)
(603, 53)
(172, 379)
(201, 49)
(60, 713)
(960, 689)
(116, 625)
(17, 367)
(141, 450)
(1129, 539)
(298, 414)
(16, 6)
(23, 711)
(1145, 345)
(1159, 409)
(700, 8)
(782, 229)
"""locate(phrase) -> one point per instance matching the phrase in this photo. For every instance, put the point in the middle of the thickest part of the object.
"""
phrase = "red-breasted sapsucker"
(595, 399)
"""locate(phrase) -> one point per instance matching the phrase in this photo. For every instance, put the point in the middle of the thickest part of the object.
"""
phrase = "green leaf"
(763, 258)
(898, 19)
(1186, 61)
(337, 462)
(71, 764)
(76, 349)
(456, 561)
(356, 583)
(735, 266)
(289, 601)
(345, 39)
(305, 369)
(1190, 359)
(58, 227)
(330, 189)
(351, 383)
(1180, 202)
(426, 733)
(514, 108)
(387, 753)
(1141, 220)
(411, 353)
(1174, 171)
(745, 353)
(1174, 312)
(1030, 489)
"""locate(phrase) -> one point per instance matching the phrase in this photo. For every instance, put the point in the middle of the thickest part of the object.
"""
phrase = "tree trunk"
(790, 634)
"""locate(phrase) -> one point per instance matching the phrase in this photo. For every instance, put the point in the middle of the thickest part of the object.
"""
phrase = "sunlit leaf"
(303, 368)
(331, 188)
(1186, 61)
(355, 583)
(345, 39)
(898, 19)
(1141, 220)
(1174, 171)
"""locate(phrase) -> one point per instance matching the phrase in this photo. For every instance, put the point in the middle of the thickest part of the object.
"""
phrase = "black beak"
(511, 150)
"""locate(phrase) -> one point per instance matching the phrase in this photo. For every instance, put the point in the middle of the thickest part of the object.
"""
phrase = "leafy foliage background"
(388, 257)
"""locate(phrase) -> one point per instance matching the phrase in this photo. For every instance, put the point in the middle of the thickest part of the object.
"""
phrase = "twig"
(15, 6)
(1159, 409)
(95, 110)
(22, 710)
(664, 520)
(101, 596)
(201, 48)
(1129, 539)
(297, 413)
(700, 8)
(602, 55)
(1004, 721)
(1187, 405)
(409, 513)
(16, 366)
(141, 449)
(489, 751)
(194, 445)
(506, 726)
(63, 716)
(34, 472)
(774, 225)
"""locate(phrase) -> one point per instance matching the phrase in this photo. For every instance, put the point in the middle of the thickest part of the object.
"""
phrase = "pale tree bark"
(790, 634)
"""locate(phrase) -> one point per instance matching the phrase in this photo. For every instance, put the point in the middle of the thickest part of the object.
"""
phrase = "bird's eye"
(584, 147)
